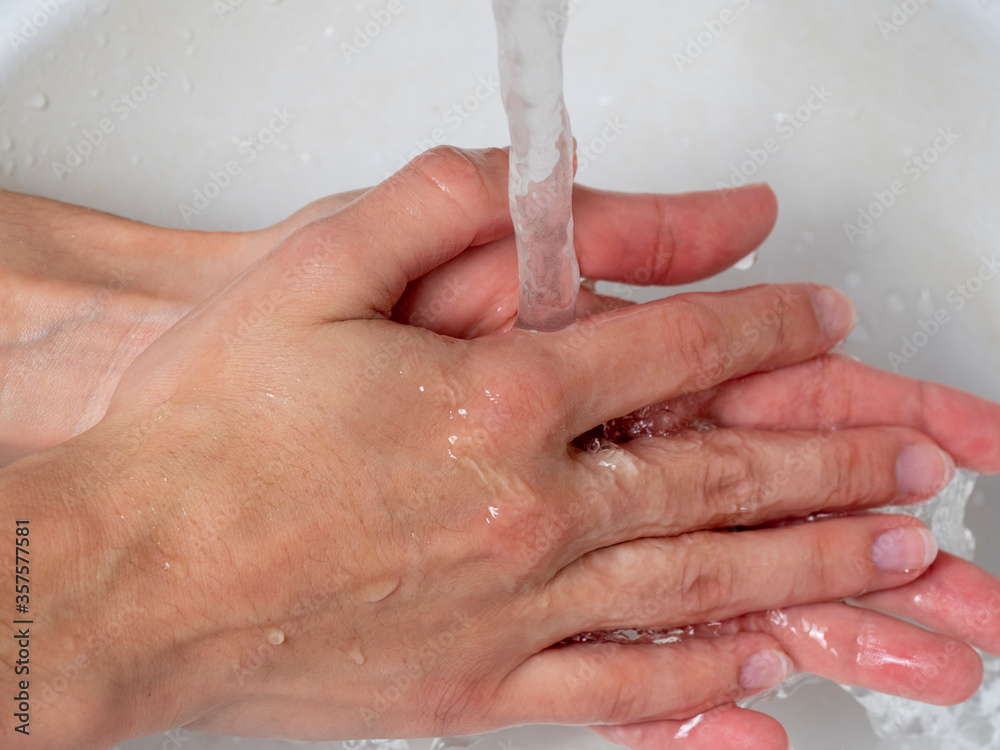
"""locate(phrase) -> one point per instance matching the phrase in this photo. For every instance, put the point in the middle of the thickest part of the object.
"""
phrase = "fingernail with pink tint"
(904, 550)
(765, 670)
(923, 470)
(835, 312)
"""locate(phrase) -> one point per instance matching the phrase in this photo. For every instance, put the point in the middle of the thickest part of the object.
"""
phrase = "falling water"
(530, 34)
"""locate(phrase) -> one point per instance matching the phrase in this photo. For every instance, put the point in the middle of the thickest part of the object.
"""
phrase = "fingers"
(686, 344)
(664, 240)
(723, 727)
(855, 646)
(837, 391)
(356, 263)
(637, 239)
(626, 684)
(711, 576)
(954, 598)
(749, 478)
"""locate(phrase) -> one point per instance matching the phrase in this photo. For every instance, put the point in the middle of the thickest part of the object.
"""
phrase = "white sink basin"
(834, 103)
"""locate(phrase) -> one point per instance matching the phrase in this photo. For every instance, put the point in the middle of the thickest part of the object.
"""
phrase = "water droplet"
(275, 636)
(37, 101)
(376, 591)
(356, 654)
(747, 263)
(166, 566)
(896, 304)
(453, 439)
(926, 305)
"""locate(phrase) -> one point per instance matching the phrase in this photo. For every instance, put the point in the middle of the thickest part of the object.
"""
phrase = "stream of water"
(530, 35)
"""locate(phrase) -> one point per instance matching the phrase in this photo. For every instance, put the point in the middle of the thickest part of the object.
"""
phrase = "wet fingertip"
(904, 550)
(765, 670)
(924, 470)
(835, 311)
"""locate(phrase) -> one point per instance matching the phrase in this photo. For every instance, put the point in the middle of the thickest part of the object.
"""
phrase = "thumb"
(356, 263)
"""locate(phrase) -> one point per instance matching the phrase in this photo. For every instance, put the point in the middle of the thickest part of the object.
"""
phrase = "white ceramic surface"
(881, 82)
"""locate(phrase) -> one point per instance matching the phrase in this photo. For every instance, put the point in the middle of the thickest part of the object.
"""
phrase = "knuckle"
(729, 481)
(556, 529)
(707, 578)
(701, 344)
(452, 172)
(529, 537)
(823, 570)
(538, 401)
(624, 704)
(849, 473)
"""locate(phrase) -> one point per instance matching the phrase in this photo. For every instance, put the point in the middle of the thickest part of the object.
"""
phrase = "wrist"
(107, 650)
(84, 294)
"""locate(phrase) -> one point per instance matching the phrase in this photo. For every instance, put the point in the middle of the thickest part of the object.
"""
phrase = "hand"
(85, 292)
(318, 522)
(957, 602)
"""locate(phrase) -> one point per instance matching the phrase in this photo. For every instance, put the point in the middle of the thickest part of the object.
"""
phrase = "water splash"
(454, 743)
(530, 34)
(904, 724)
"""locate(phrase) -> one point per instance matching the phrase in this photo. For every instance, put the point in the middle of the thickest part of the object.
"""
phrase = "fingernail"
(904, 549)
(765, 670)
(923, 470)
(835, 311)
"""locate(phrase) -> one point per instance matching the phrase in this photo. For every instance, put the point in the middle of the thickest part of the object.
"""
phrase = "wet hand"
(321, 523)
